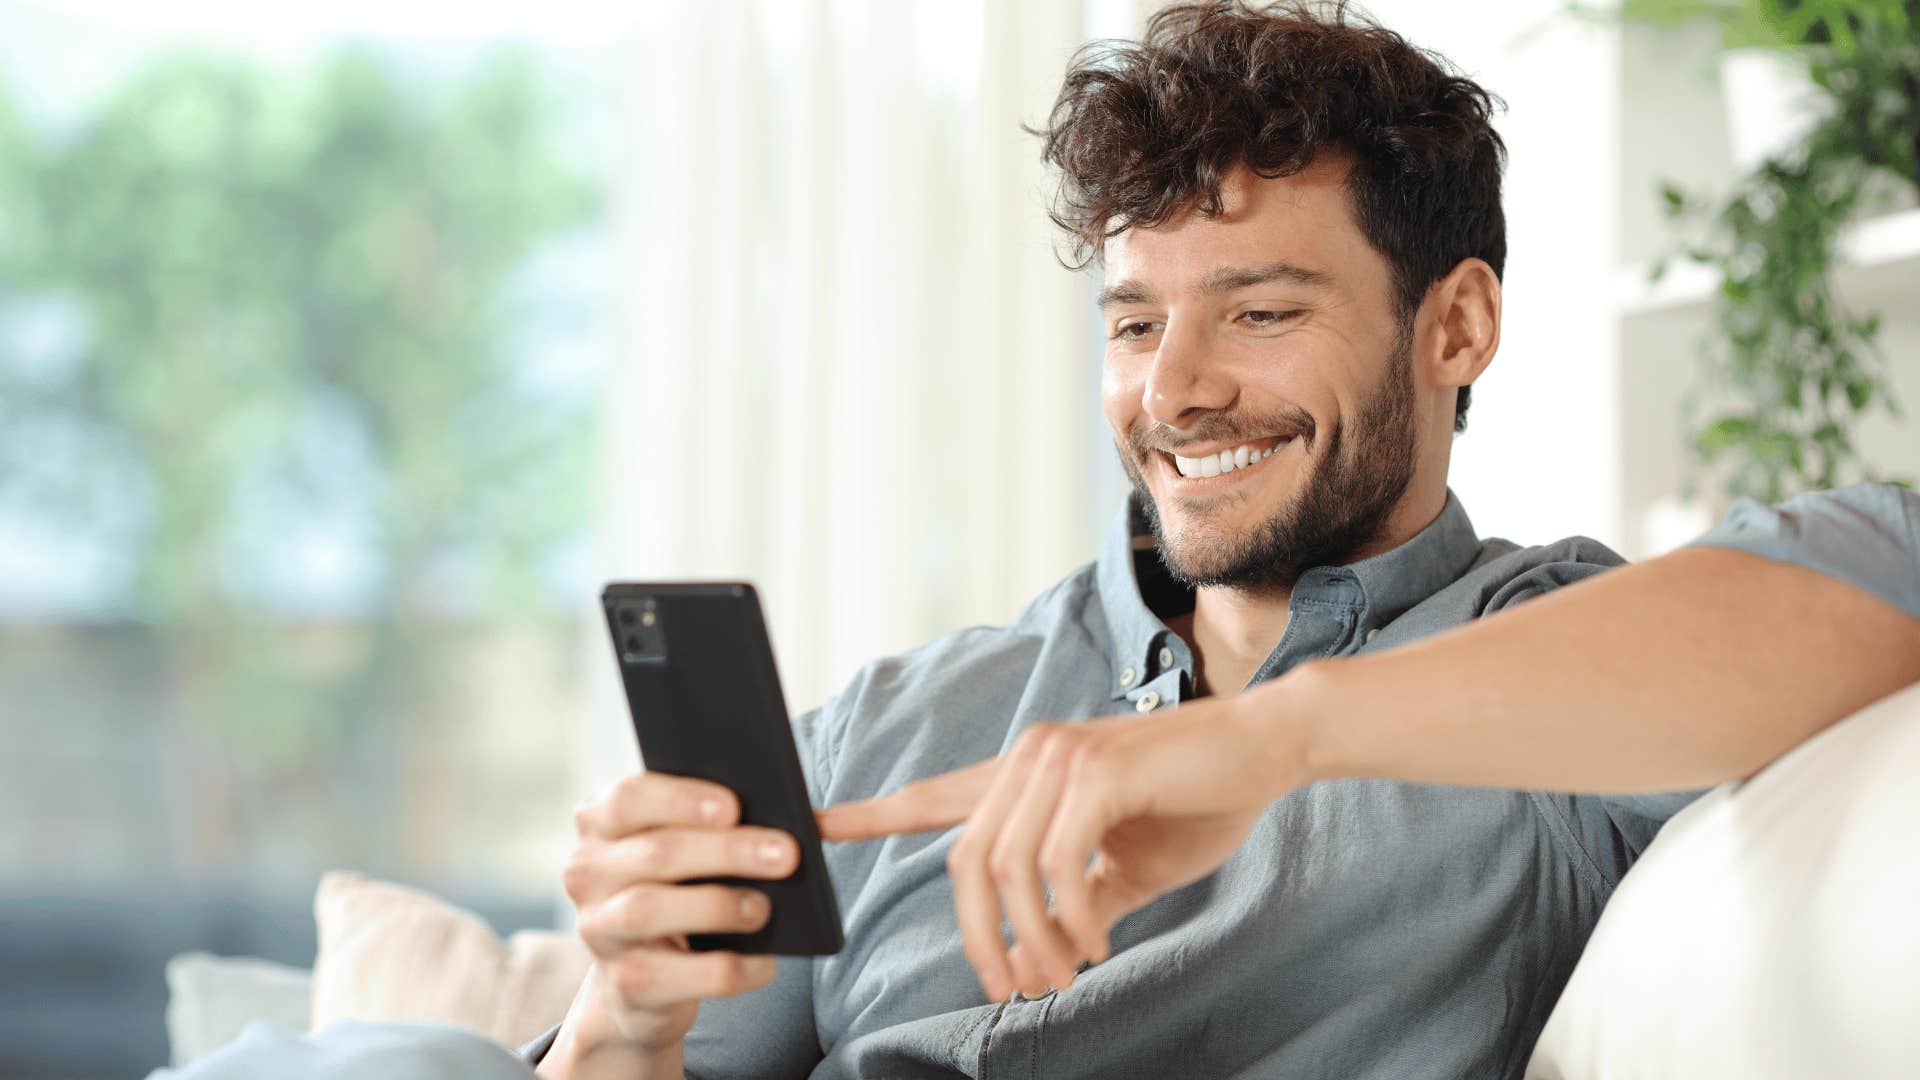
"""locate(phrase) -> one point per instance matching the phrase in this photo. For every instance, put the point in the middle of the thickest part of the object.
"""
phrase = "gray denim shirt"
(1365, 929)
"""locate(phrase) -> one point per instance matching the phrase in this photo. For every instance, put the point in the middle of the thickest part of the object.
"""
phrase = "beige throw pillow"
(388, 952)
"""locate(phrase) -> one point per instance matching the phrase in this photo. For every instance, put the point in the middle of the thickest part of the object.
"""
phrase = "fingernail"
(771, 852)
(751, 905)
(712, 809)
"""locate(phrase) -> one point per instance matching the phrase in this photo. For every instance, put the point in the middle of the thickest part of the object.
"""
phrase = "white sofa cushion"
(210, 998)
(1772, 929)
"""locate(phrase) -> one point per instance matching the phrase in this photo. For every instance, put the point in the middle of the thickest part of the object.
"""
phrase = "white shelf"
(1879, 264)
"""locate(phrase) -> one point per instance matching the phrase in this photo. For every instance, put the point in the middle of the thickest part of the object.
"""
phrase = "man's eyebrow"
(1123, 292)
(1223, 279)
(1228, 279)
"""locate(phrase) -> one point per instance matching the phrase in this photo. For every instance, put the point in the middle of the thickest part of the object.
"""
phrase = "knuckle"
(1003, 868)
(577, 876)
(604, 946)
(961, 857)
(637, 910)
(651, 854)
(1089, 759)
(1039, 736)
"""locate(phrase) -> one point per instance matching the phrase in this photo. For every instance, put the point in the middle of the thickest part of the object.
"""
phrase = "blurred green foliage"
(298, 295)
(1767, 24)
(301, 283)
(1793, 369)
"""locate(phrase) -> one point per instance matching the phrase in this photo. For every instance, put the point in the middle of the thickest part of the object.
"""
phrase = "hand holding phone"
(688, 873)
(640, 882)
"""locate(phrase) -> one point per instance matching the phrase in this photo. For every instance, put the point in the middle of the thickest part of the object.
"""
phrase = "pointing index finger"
(935, 803)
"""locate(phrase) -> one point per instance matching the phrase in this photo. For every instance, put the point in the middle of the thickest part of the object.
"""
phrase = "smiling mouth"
(1232, 459)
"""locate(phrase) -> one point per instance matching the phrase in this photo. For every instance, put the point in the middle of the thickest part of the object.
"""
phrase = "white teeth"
(1225, 461)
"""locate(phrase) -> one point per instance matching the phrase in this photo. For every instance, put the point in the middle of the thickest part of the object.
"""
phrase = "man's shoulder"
(1506, 573)
(934, 691)
(1069, 608)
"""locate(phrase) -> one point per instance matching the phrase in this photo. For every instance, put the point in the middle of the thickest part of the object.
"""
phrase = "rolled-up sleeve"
(1867, 535)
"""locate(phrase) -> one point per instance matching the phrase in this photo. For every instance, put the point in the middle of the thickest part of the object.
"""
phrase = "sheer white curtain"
(851, 368)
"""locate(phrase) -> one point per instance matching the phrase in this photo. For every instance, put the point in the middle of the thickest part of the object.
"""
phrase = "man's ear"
(1462, 325)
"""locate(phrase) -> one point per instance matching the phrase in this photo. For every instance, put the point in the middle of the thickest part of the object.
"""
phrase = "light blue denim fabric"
(351, 1049)
(1367, 929)
(1867, 535)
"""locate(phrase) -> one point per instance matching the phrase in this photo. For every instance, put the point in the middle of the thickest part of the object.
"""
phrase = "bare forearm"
(1684, 671)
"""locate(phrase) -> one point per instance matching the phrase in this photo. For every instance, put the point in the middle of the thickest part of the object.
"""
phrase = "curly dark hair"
(1143, 131)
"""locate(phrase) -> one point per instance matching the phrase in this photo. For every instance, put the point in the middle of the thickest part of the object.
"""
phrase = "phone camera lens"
(626, 616)
(633, 644)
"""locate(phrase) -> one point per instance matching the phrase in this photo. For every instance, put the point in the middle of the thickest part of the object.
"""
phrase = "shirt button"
(1127, 675)
(1372, 632)
(1146, 702)
(1042, 996)
(1166, 658)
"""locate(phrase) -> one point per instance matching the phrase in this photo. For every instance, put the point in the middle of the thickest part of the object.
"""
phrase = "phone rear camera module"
(639, 630)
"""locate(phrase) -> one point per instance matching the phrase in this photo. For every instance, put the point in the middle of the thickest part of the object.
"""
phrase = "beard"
(1349, 490)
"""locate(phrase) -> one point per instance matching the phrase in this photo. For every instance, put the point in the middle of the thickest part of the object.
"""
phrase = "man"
(1299, 224)
(1366, 865)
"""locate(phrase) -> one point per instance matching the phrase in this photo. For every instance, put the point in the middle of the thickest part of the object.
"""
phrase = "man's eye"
(1266, 318)
(1134, 331)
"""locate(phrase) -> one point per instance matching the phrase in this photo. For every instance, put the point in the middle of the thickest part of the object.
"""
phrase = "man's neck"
(1233, 631)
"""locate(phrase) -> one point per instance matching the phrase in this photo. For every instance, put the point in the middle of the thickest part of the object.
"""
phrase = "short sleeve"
(1867, 535)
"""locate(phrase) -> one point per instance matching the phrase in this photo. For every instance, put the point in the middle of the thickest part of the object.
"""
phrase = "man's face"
(1268, 332)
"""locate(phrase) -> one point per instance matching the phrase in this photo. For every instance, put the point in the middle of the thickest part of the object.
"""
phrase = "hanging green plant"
(1792, 370)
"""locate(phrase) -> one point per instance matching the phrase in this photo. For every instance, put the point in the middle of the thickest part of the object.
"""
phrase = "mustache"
(1153, 437)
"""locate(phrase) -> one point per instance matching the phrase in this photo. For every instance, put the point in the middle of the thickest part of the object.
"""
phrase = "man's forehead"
(1301, 224)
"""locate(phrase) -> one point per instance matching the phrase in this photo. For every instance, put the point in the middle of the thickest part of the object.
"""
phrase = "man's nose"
(1183, 380)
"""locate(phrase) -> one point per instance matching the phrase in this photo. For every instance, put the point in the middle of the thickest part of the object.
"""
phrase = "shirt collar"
(1393, 581)
(1382, 587)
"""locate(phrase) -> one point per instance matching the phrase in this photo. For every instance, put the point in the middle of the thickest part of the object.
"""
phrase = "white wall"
(1539, 458)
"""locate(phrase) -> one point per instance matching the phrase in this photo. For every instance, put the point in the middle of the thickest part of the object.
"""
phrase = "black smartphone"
(705, 697)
